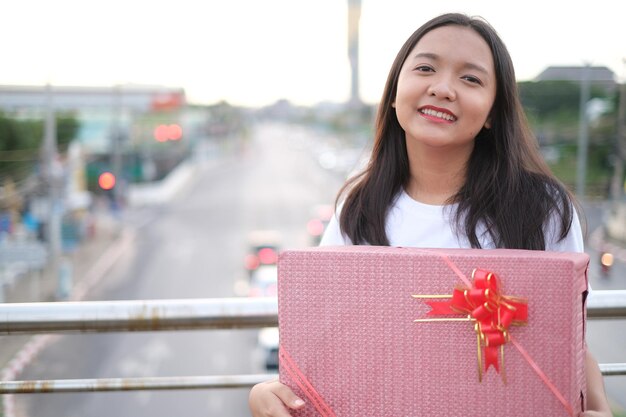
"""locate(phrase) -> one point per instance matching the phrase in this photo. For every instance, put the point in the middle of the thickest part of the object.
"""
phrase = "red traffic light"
(175, 132)
(163, 133)
(106, 181)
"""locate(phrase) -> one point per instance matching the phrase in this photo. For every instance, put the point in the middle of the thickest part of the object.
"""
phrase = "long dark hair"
(509, 188)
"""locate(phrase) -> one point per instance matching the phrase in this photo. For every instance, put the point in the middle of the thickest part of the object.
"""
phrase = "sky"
(255, 52)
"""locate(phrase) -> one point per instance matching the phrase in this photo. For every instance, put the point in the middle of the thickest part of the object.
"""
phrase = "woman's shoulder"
(333, 236)
(572, 241)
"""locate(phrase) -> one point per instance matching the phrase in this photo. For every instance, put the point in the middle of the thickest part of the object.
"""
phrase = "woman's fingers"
(273, 399)
(287, 396)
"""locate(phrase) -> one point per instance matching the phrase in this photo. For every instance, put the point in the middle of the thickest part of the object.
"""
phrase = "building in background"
(99, 110)
(597, 76)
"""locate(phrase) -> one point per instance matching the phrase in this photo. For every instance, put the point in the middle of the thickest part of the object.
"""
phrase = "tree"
(553, 109)
(554, 100)
(21, 141)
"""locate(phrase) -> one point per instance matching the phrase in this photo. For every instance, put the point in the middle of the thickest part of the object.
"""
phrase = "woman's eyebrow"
(428, 55)
(476, 67)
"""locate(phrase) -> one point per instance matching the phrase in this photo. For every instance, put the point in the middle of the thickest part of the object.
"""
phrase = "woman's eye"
(472, 79)
(423, 68)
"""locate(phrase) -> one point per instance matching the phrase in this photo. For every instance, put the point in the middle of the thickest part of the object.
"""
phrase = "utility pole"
(53, 177)
(617, 182)
(583, 134)
(354, 15)
(116, 147)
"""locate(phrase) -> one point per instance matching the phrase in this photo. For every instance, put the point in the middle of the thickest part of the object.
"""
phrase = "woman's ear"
(488, 124)
(393, 104)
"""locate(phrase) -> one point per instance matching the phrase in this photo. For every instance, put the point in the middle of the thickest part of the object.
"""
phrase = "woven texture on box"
(346, 318)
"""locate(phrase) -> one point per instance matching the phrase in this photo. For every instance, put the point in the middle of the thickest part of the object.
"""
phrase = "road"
(193, 247)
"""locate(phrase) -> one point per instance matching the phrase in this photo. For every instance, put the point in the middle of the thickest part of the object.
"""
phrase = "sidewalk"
(43, 285)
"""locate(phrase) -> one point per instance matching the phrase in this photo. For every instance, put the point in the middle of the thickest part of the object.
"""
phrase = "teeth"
(438, 114)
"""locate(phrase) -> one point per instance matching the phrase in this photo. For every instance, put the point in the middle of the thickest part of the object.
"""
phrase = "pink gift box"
(349, 345)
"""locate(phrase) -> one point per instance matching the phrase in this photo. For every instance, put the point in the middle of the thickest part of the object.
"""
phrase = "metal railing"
(185, 314)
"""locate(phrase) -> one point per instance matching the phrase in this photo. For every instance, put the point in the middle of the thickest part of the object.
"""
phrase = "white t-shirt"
(414, 224)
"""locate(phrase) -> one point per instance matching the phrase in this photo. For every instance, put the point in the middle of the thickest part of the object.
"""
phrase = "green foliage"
(24, 134)
(21, 141)
(8, 134)
(553, 110)
(67, 128)
(547, 100)
(598, 167)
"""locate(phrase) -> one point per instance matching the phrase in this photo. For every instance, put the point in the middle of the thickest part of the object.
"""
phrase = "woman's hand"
(597, 403)
(273, 399)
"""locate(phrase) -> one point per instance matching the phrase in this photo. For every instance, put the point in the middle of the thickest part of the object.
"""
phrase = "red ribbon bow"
(492, 313)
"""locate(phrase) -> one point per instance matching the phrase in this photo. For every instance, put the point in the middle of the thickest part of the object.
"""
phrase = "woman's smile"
(437, 114)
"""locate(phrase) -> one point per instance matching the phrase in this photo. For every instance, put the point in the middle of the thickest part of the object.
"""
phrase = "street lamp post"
(116, 145)
(617, 182)
(583, 134)
(53, 177)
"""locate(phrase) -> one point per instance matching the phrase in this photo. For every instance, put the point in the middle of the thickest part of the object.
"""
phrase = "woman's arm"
(273, 399)
(597, 403)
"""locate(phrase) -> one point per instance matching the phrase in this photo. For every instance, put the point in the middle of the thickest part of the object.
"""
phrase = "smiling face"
(446, 89)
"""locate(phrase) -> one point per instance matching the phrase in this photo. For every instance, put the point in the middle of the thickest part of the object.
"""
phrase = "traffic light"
(106, 181)
(175, 132)
(160, 133)
(163, 133)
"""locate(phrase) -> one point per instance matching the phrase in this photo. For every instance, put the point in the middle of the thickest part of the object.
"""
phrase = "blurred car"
(267, 345)
(263, 247)
(316, 226)
(264, 282)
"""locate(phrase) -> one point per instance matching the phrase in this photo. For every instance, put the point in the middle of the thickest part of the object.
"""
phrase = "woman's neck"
(435, 175)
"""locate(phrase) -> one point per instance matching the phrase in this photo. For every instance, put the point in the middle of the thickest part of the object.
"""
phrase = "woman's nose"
(442, 88)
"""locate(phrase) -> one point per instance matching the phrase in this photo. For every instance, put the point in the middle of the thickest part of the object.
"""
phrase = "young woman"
(454, 165)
